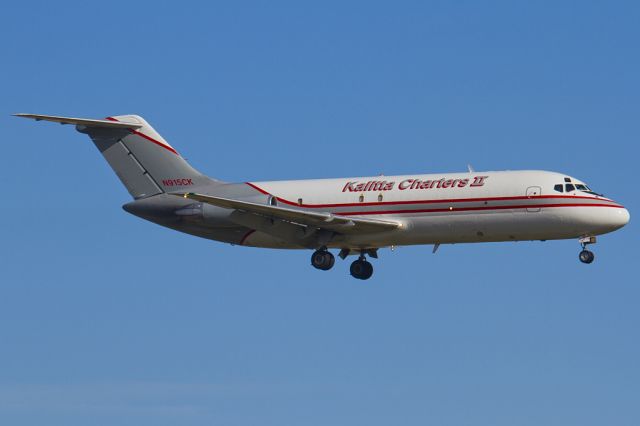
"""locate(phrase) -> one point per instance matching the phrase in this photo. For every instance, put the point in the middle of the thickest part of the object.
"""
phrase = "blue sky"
(106, 318)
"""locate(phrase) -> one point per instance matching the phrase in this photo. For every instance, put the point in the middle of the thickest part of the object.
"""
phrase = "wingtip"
(26, 115)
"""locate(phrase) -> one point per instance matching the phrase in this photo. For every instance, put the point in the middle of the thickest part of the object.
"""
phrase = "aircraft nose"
(623, 217)
(617, 218)
(606, 220)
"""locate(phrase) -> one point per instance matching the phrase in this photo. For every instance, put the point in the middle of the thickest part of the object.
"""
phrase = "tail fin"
(145, 163)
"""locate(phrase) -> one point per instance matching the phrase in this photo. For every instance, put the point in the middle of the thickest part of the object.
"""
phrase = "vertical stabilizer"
(145, 163)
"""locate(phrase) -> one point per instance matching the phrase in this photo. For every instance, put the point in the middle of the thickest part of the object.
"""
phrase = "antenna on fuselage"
(470, 168)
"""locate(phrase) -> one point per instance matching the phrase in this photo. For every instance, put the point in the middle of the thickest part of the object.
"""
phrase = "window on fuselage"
(558, 187)
(569, 187)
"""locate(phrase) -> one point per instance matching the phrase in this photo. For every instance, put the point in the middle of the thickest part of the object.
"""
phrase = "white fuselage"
(382, 210)
(449, 207)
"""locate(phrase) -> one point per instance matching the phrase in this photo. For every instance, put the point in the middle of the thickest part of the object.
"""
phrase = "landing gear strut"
(585, 255)
(322, 259)
(361, 269)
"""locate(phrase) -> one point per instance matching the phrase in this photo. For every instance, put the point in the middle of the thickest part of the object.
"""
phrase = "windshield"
(585, 188)
(568, 187)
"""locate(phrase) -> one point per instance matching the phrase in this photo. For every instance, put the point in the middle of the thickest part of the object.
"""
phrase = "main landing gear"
(585, 255)
(322, 259)
(361, 269)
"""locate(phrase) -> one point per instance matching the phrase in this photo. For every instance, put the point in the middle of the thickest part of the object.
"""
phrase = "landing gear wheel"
(586, 256)
(323, 260)
(361, 269)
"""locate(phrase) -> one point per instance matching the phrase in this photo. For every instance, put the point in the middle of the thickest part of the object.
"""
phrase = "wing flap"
(325, 220)
(88, 122)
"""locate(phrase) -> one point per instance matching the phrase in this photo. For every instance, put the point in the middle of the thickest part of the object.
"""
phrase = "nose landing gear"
(585, 255)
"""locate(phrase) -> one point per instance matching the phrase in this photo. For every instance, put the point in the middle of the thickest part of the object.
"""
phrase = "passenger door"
(532, 193)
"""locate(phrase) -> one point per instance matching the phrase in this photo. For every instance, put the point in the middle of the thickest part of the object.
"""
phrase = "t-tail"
(145, 163)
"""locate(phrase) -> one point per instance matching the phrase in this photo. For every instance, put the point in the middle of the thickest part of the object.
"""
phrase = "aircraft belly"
(261, 239)
(225, 235)
(482, 227)
(467, 228)
(517, 225)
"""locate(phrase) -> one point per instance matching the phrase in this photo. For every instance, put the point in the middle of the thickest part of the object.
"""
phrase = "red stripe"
(257, 188)
(458, 209)
(431, 201)
(149, 138)
(167, 147)
(247, 235)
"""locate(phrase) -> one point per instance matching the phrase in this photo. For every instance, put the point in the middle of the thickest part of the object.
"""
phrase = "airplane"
(356, 215)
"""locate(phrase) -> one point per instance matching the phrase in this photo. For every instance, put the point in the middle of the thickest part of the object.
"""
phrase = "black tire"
(317, 258)
(368, 270)
(330, 261)
(323, 260)
(361, 269)
(586, 256)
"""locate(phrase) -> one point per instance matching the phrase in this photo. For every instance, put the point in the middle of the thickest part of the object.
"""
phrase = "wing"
(324, 220)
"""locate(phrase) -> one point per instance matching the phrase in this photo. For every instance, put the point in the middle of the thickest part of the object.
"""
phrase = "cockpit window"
(585, 188)
(558, 187)
(569, 187)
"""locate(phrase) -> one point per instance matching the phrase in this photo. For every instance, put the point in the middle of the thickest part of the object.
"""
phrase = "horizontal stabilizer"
(82, 121)
(325, 220)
